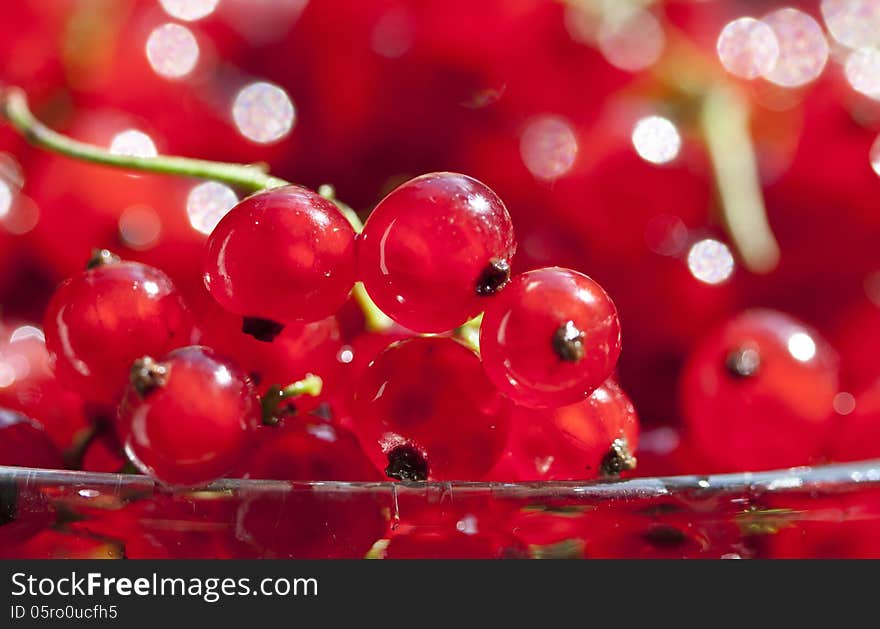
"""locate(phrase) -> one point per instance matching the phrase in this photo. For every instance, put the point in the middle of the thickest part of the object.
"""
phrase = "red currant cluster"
(538, 401)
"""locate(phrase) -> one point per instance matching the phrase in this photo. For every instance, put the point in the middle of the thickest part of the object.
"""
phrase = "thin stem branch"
(14, 107)
(725, 124)
(310, 385)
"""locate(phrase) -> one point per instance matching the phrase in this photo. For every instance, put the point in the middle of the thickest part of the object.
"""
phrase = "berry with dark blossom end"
(594, 438)
(188, 418)
(758, 392)
(424, 409)
(100, 321)
(435, 249)
(281, 256)
(24, 443)
(550, 338)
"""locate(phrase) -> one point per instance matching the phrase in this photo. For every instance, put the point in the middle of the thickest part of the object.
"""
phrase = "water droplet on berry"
(548, 147)
(133, 143)
(631, 39)
(189, 10)
(207, 203)
(263, 112)
(862, 69)
(710, 261)
(89, 493)
(656, 140)
(172, 51)
(803, 49)
(139, 227)
(853, 23)
(748, 48)
(844, 403)
(801, 346)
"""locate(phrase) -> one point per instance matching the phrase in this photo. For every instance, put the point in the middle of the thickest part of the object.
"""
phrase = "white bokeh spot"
(263, 112)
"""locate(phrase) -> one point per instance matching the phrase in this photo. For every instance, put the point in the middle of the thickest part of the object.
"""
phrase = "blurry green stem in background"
(725, 124)
(14, 107)
(247, 177)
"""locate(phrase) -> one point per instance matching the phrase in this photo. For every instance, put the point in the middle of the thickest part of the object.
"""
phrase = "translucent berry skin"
(529, 339)
(284, 255)
(100, 321)
(757, 393)
(194, 426)
(427, 251)
(429, 394)
(24, 443)
(578, 442)
(308, 449)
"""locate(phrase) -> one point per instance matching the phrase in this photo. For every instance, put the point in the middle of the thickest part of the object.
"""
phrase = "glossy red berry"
(24, 443)
(189, 418)
(434, 249)
(424, 409)
(757, 393)
(550, 338)
(308, 449)
(281, 256)
(100, 321)
(594, 438)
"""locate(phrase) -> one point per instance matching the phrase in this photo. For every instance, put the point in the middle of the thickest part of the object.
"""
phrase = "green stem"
(14, 107)
(725, 125)
(310, 385)
(469, 333)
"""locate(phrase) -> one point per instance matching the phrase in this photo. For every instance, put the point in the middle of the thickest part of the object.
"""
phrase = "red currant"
(281, 256)
(758, 392)
(24, 443)
(189, 418)
(309, 449)
(550, 338)
(100, 321)
(424, 409)
(434, 248)
(596, 437)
